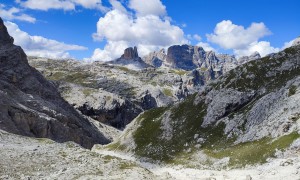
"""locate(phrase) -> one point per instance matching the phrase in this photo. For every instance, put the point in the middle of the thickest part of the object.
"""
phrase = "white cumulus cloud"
(148, 31)
(15, 14)
(291, 43)
(197, 37)
(66, 5)
(263, 48)
(243, 41)
(206, 46)
(149, 7)
(40, 46)
(231, 36)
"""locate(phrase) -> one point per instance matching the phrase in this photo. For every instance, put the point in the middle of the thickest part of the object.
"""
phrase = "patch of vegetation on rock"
(88, 91)
(167, 92)
(267, 72)
(185, 121)
(292, 90)
(178, 72)
(116, 146)
(253, 152)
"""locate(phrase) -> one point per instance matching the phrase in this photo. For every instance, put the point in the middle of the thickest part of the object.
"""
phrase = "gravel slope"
(31, 158)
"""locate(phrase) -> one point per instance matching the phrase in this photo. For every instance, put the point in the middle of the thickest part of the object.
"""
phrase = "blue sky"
(68, 28)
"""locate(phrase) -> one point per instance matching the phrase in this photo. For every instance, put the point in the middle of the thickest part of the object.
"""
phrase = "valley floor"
(31, 158)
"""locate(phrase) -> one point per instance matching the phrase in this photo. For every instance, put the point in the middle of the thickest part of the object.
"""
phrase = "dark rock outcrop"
(31, 106)
(181, 57)
(130, 53)
(130, 59)
(5, 38)
(120, 114)
(148, 101)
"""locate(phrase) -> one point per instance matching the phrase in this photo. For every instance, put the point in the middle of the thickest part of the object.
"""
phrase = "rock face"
(32, 106)
(117, 113)
(156, 59)
(130, 59)
(252, 57)
(188, 57)
(228, 62)
(130, 53)
(223, 102)
(181, 57)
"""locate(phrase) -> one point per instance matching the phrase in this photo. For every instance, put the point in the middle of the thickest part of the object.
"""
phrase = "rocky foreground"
(31, 158)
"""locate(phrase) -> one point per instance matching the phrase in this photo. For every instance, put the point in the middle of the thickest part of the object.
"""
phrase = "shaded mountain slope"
(32, 106)
(251, 111)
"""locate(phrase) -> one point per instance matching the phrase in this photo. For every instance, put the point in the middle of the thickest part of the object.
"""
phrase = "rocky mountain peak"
(5, 38)
(254, 56)
(245, 59)
(181, 57)
(130, 59)
(156, 58)
(130, 53)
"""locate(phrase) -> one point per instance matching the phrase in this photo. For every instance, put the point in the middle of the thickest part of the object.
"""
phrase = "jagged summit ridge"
(188, 57)
(252, 57)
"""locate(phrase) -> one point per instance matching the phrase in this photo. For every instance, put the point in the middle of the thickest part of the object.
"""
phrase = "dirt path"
(276, 169)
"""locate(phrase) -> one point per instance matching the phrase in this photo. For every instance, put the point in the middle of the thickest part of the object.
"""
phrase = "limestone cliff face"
(187, 57)
(156, 58)
(181, 57)
(31, 106)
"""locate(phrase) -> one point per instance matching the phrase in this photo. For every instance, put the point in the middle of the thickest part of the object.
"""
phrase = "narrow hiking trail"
(273, 170)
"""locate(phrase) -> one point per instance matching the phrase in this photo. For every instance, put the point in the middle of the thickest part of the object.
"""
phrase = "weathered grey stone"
(222, 102)
(245, 59)
(32, 106)
(181, 57)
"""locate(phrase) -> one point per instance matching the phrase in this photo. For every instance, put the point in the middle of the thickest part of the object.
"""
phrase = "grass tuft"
(167, 92)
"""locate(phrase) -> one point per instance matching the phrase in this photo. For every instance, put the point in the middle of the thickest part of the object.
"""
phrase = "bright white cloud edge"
(66, 5)
(148, 29)
(40, 46)
(243, 41)
(15, 14)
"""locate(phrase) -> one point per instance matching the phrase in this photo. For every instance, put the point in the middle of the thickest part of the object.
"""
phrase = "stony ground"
(31, 158)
